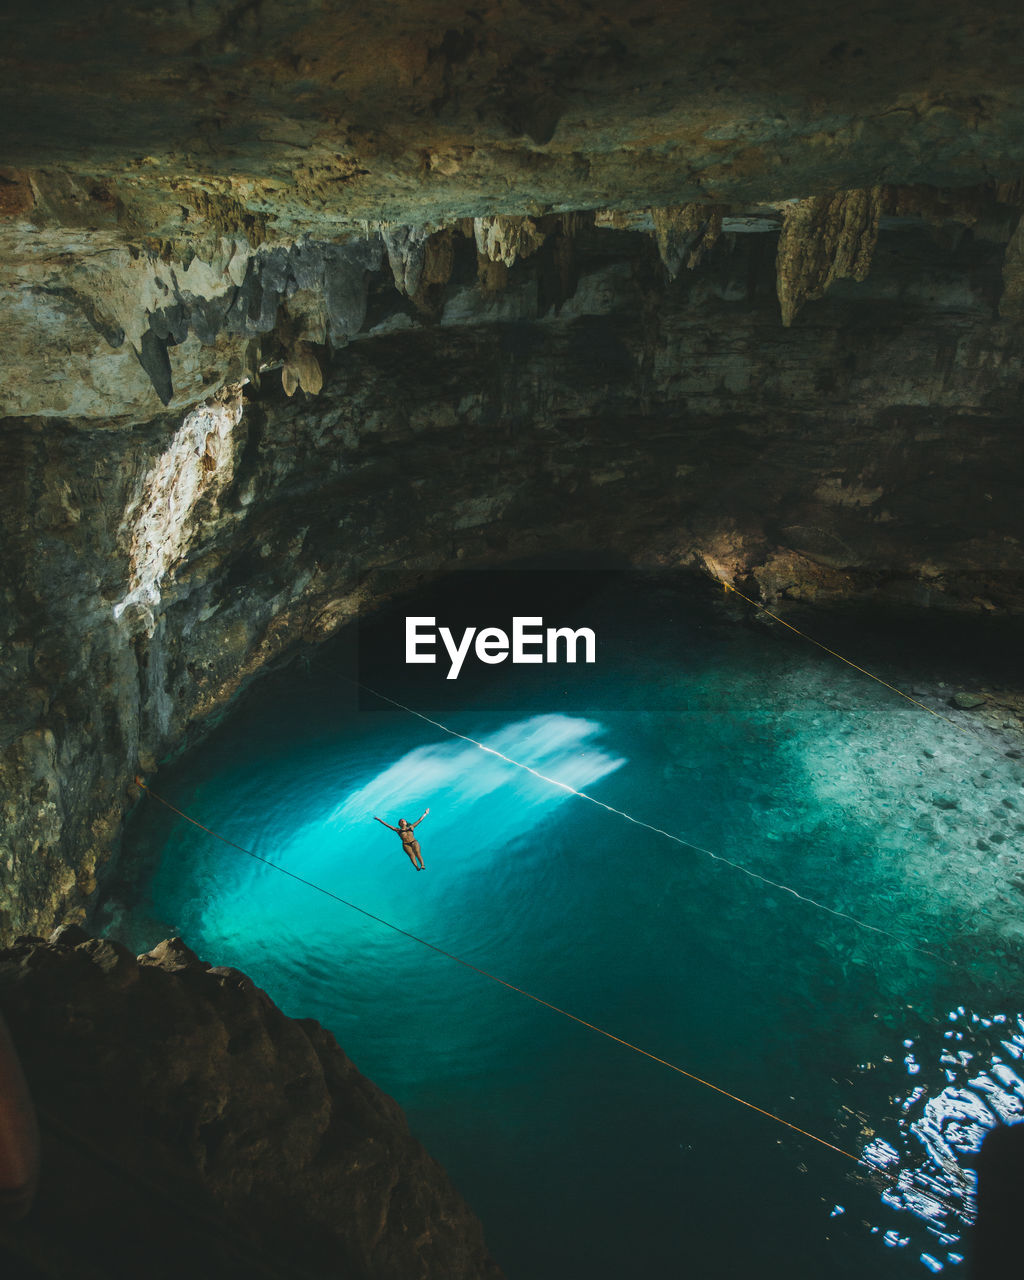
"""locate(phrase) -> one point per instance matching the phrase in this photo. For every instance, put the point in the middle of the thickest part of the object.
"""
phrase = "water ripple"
(966, 1090)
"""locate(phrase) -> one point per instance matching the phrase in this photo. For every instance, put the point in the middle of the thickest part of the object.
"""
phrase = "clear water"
(582, 1158)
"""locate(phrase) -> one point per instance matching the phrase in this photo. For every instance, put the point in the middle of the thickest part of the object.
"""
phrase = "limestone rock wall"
(188, 1126)
(150, 571)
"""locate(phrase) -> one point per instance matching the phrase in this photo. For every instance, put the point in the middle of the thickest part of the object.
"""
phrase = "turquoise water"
(583, 1158)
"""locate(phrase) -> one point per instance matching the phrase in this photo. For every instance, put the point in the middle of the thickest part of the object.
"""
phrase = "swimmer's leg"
(418, 859)
(412, 856)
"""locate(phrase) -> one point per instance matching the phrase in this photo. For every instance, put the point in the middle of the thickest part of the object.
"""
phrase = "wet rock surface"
(233, 1140)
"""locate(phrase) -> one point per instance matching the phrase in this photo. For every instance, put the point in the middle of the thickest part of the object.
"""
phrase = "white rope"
(638, 822)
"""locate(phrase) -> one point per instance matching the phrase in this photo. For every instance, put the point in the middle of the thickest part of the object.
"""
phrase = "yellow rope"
(806, 1133)
(687, 844)
(572, 1017)
(870, 674)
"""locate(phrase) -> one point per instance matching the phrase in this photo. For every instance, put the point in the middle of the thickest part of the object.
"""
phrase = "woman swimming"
(409, 842)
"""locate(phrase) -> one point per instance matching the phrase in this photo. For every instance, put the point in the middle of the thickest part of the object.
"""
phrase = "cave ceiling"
(173, 175)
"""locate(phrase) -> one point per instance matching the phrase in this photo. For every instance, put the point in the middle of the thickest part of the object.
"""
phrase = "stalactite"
(824, 239)
(685, 233)
(504, 239)
(1011, 304)
(302, 369)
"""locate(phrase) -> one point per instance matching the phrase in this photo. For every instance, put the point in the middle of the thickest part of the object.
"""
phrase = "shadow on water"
(582, 1158)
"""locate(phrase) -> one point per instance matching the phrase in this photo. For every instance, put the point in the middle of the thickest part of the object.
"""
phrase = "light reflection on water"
(472, 797)
(583, 1159)
(559, 746)
(964, 1088)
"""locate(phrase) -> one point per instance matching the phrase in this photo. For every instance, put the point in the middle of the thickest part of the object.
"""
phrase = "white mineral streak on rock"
(159, 524)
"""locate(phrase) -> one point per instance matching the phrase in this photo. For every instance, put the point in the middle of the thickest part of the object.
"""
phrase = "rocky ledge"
(188, 1124)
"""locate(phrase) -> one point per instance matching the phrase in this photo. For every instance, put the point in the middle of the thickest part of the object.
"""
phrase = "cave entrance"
(741, 742)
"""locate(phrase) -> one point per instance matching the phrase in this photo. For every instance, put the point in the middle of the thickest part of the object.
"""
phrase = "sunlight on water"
(583, 1159)
(467, 790)
(463, 776)
(960, 1087)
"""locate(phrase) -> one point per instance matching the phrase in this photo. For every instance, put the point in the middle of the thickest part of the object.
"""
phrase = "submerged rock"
(968, 701)
(188, 1123)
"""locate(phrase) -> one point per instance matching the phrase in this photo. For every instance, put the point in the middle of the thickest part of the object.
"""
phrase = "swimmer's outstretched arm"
(384, 824)
(421, 817)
